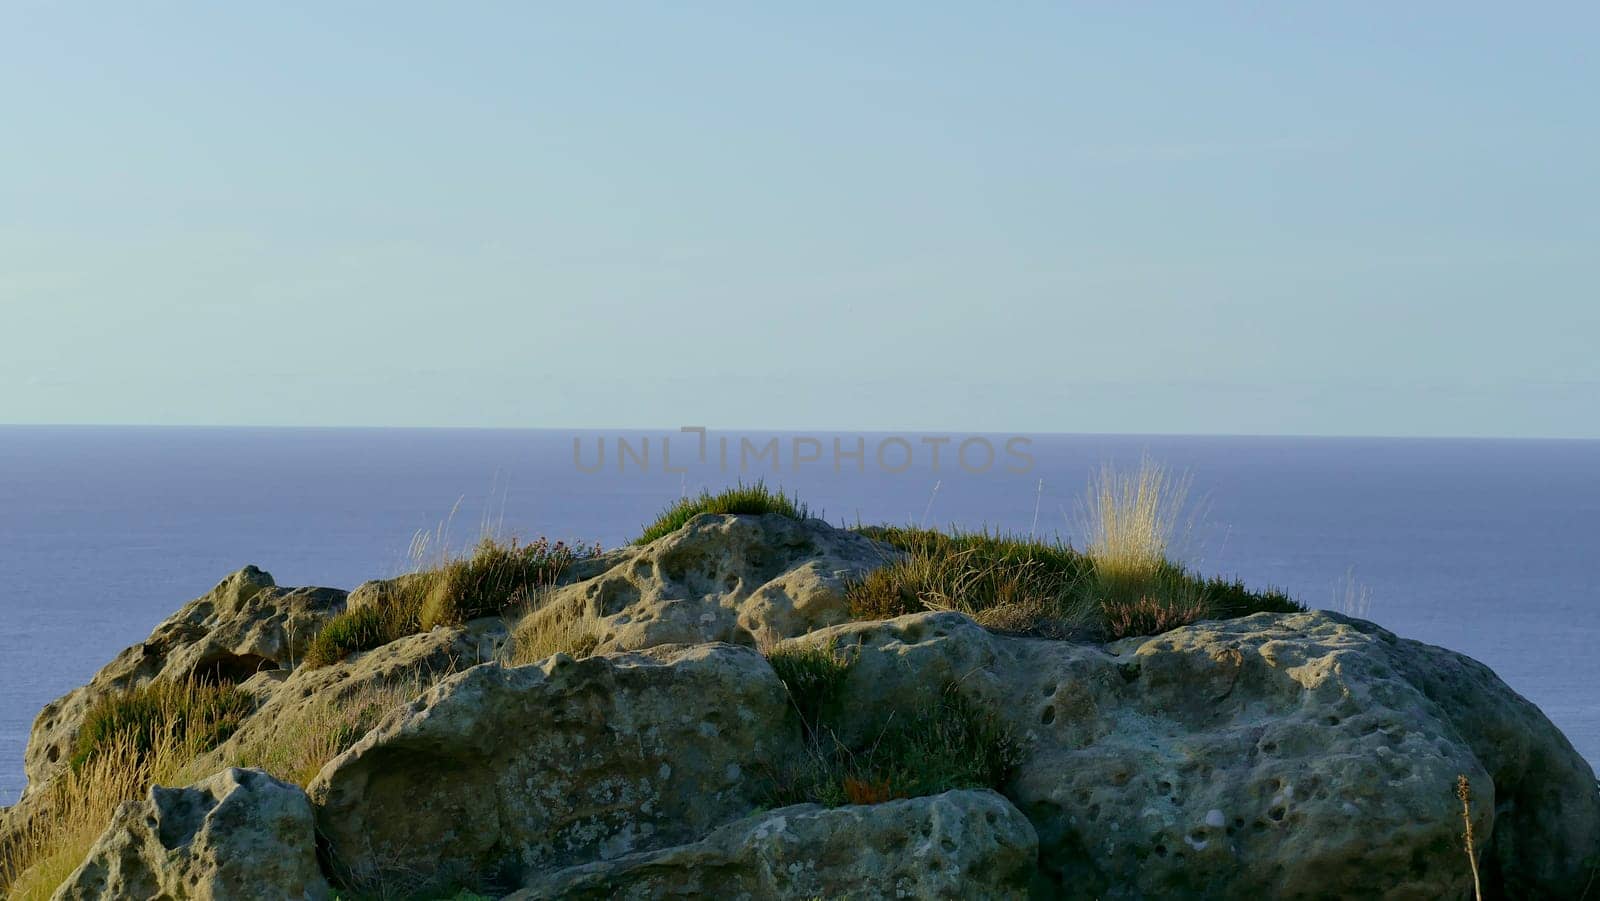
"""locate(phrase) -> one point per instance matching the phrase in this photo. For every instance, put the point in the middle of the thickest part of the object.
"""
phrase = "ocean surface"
(1488, 547)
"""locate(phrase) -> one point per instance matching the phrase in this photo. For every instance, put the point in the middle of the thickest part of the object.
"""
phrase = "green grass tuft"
(1044, 588)
(497, 575)
(814, 677)
(742, 498)
(952, 745)
(205, 713)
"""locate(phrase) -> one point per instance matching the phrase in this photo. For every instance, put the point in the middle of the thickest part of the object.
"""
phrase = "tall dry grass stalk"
(1130, 520)
(79, 804)
(1356, 598)
(1464, 792)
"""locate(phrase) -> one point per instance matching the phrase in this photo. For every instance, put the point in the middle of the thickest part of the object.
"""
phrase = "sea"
(1489, 547)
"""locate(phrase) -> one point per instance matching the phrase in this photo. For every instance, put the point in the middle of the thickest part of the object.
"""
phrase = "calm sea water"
(1488, 547)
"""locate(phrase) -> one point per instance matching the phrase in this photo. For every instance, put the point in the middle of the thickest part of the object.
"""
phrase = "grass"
(139, 738)
(1129, 521)
(1045, 588)
(302, 743)
(136, 720)
(953, 744)
(742, 498)
(544, 632)
(495, 576)
(814, 677)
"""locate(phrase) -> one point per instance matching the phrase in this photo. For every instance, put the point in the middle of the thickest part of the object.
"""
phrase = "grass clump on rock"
(1045, 588)
(741, 498)
(129, 741)
(1122, 584)
(949, 745)
(305, 740)
(198, 715)
(496, 575)
(544, 632)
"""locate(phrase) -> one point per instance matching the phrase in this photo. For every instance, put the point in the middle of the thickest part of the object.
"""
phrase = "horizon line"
(677, 429)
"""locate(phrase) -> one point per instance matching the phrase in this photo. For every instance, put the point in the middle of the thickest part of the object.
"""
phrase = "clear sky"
(1340, 218)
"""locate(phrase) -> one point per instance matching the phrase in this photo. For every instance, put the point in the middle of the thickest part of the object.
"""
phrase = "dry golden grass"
(302, 742)
(78, 805)
(447, 590)
(545, 631)
(1129, 521)
(1464, 793)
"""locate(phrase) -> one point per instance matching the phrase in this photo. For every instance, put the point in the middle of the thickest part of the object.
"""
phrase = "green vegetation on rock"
(741, 498)
(497, 575)
(1044, 588)
(950, 744)
(200, 715)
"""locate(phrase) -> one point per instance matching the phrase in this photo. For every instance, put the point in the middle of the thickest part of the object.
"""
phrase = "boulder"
(239, 835)
(961, 844)
(307, 698)
(498, 774)
(244, 626)
(1278, 755)
(741, 579)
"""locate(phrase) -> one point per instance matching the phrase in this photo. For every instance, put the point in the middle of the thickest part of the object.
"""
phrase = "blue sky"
(1360, 218)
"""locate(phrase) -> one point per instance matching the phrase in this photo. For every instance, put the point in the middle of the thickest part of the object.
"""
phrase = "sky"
(1331, 219)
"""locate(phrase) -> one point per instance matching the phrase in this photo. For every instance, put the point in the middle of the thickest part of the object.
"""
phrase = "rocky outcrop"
(238, 835)
(1293, 756)
(1284, 756)
(738, 579)
(244, 626)
(499, 773)
(961, 844)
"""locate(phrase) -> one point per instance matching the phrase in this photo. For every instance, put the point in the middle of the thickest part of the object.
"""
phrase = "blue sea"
(1488, 547)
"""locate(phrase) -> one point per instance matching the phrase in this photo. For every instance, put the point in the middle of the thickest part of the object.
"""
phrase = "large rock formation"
(1286, 756)
(1283, 756)
(244, 626)
(240, 834)
(961, 844)
(738, 579)
(497, 774)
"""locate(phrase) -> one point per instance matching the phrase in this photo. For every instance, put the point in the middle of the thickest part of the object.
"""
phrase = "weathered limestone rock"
(237, 836)
(739, 579)
(1284, 756)
(243, 626)
(497, 774)
(299, 698)
(961, 844)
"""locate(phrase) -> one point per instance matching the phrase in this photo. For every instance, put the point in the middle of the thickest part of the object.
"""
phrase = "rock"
(741, 579)
(407, 667)
(961, 844)
(239, 835)
(498, 774)
(1284, 756)
(245, 625)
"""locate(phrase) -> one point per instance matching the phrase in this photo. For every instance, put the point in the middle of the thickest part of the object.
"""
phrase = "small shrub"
(742, 498)
(1148, 616)
(203, 713)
